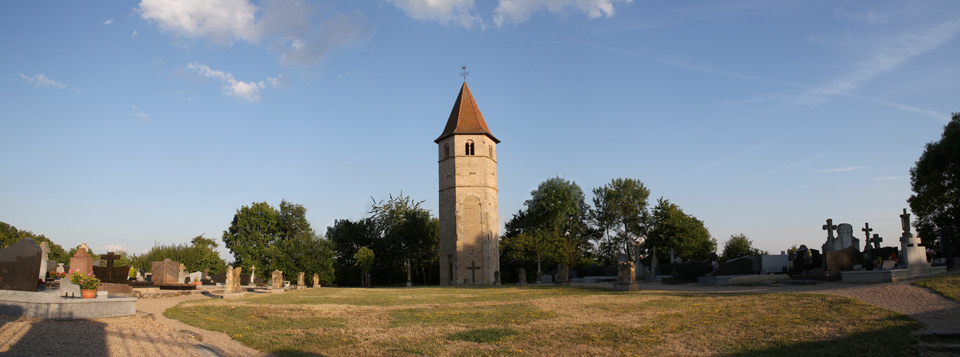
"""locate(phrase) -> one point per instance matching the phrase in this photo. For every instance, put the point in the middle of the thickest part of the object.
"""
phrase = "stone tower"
(469, 219)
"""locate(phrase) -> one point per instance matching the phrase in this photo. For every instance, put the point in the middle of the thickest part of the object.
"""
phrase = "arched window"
(468, 148)
(446, 151)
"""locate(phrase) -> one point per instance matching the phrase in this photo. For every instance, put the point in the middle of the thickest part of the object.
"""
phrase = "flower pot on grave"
(88, 293)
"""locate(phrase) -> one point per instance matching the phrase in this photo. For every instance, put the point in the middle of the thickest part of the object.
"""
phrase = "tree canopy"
(672, 228)
(278, 239)
(935, 180)
(10, 235)
(737, 246)
(200, 254)
(620, 211)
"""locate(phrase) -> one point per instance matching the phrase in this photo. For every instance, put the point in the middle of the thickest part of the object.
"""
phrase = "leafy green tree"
(672, 228)
(207, 255)
(408, 235)
(554, 226)
(737, 246)
(272, 239)
(363, 259)
(347, 237)
(10, 235)
(620, 211)
(200, 254)
(935, 181)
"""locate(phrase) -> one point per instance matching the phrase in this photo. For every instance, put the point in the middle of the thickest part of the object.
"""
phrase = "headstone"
(206, 274)
(166, 272)
(183, 276)
(653, 262)
(196, 276)
(845, 238)
(690, 271)
(139, 276)
(522, 276)
(316, 280)
(914, 254)
(300, 282)
(539, 277)
(44, 251)
(232, 283)
(672, 259)
(626, 277)
(253, 274)
(830, 244)
(68, 289)
(19, 264)
(60, 268)
(774, 263)
(563, 274)
(640, 269)
(739, 266)
(844, 260)
(277, 279)
(81, 261)
(111, 273)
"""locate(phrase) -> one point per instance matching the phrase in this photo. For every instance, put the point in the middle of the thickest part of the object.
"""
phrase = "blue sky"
(125, 124)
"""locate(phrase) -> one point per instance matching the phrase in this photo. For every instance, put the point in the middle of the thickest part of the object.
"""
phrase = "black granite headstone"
(19, 265)
(738, 266)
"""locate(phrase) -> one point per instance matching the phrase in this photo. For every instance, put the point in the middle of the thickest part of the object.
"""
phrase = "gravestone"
(300, 282)
(914, 254)
(44, 251)
(82, 261)
(844, 260)
(830, 244)
(563, 274)
(253, 274)
(626, 276)
(277, 280)
(845, 238)
(60, 268)
(739, 266)
(232, 283)
(110, 273)
(183, 276)
(654, 264)
(206, 274)
(19, 264)
(522, 276)
(166, 272)
(774, 263)
(689, 272)
(196, 276)
(316, 280)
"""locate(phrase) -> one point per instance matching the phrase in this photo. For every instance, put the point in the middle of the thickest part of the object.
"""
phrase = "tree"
(347, 237)
(672, 228)
(554, 226)
(10, 235)
(272, 239)
(199, 255)
(935, 181)
(737, 246)
(620, 211)
(408, 238)
(363, 259)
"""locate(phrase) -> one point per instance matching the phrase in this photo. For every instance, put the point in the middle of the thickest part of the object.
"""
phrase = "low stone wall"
(49, 305)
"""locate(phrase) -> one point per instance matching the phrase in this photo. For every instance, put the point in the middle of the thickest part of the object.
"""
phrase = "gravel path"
(149, 333)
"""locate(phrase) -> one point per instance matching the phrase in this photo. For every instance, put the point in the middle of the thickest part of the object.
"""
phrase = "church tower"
(469, 219)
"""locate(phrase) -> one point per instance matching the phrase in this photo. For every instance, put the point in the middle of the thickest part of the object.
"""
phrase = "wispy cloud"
(790, 166)
(249, 91)
(141, 116)
(110, 21)
(728, 158)
(134, 34)
(463, 13)
(842, 169)
(114, 248)
(40, 80)
(294, 30)
(887, 178)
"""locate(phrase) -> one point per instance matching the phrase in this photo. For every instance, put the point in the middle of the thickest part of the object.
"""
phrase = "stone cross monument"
(469, 218)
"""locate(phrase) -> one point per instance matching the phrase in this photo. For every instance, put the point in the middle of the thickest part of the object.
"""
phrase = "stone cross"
(876, 241)
(110, 257)
(905, 221)
(473, 270)
(829, 227)
(866, 229)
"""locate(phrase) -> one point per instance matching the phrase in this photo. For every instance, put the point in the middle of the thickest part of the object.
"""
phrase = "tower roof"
(465, 118)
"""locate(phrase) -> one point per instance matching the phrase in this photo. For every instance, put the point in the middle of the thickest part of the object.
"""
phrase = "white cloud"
(292, 29)
(40, 80)
(114, 248)
(141, 116)
(891, 53)
(444, 11)
(110, 21)
(842, 169)
(134, 34)
(249, 91)
(517, 11)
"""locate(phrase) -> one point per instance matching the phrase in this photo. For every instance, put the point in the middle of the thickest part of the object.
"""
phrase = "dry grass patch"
(554, 321)
(948, 286)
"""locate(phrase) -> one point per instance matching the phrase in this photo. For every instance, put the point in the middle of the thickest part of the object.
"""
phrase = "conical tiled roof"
(465, 118)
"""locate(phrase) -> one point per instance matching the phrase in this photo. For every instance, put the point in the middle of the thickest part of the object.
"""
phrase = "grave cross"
(473, 270)
(876, 241)
(829, 227)
(866, 229)
(110, 257)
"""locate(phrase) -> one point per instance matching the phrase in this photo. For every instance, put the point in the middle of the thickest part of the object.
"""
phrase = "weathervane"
(464, 73)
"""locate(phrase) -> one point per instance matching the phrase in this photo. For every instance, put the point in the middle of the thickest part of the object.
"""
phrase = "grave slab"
(49, 305)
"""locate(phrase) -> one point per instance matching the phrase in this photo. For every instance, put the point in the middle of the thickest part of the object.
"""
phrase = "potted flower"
(88, 283)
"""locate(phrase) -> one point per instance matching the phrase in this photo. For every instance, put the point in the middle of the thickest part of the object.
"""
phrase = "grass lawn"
(551, 321)
(948, 285)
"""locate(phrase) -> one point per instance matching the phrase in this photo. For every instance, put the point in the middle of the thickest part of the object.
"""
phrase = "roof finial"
(464, 73)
